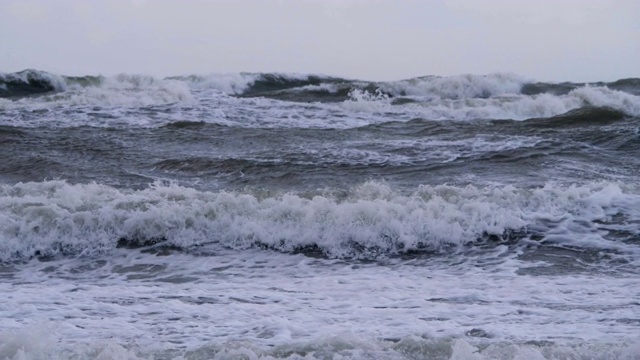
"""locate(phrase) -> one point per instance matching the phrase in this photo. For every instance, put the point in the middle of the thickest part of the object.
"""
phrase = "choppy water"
(305, 216)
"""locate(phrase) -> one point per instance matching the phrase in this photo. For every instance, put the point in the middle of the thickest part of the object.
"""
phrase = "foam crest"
(461, 98)
(54, 217)
(127, 90)
(515, 107)
(231, 83)
(241, 83)
(457, 87)
(366, 101)
(121, 90)
(605, 97)
(29, 82)
(36, 344)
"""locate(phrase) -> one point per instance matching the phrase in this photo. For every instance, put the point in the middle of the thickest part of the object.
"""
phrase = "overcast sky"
(577, 40)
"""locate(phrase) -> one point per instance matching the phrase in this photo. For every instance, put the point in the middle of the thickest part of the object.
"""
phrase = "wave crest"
(343, 102)
(56, 217)
(120, 90)
(457, 87)
(29, 82)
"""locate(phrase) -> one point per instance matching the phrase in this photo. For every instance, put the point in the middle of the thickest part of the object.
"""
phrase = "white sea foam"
(346, 347)
(330, 88)
(260, 304)
(605, 97)
(568, 292)
(248, 305)
(231, 83)
(207, 99)
(126, 90)
(54, 216)
(121, 90)
(516, 107)
(457, 87)
(238, 83)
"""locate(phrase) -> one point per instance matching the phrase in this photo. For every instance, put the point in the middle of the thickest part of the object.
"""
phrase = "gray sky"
(578, 40)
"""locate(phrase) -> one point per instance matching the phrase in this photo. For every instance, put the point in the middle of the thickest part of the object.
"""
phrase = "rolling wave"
(286, 100)
(372, 220)
(39, 89)
(583, 116)
(29, 82)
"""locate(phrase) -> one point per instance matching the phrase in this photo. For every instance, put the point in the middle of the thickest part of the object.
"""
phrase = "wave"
(631, 85)
(468, 86)
(120, 90)
(456, 87)
(58, 218)
(507, 107)
(321, 88)
(286, 86)
(258, 83)
(35, 82)
(588, 115)
(274, 99)
(29, 82)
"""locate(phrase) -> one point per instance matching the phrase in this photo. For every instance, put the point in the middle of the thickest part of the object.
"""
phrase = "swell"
(199, 165)
(584, 116)
(630, 85)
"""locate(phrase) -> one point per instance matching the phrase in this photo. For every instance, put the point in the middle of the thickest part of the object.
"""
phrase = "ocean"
(301, 216)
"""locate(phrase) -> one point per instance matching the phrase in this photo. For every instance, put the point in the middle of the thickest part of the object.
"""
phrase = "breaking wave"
(507, 107)
(29, 82)
(39, 343)
(465, 97)
(55, 217)
(39, 89)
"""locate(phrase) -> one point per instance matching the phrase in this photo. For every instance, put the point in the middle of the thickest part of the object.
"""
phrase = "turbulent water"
(260, 216)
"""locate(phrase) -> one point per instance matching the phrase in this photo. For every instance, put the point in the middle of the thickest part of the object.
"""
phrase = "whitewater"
(306, 216)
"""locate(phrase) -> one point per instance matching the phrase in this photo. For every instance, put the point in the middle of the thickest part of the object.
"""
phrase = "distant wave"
(588, 115)
(630, 85)
(34, 88)
(464, 97)
(57, 218)
(307, 87)
(259, 83)
(29, 82)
